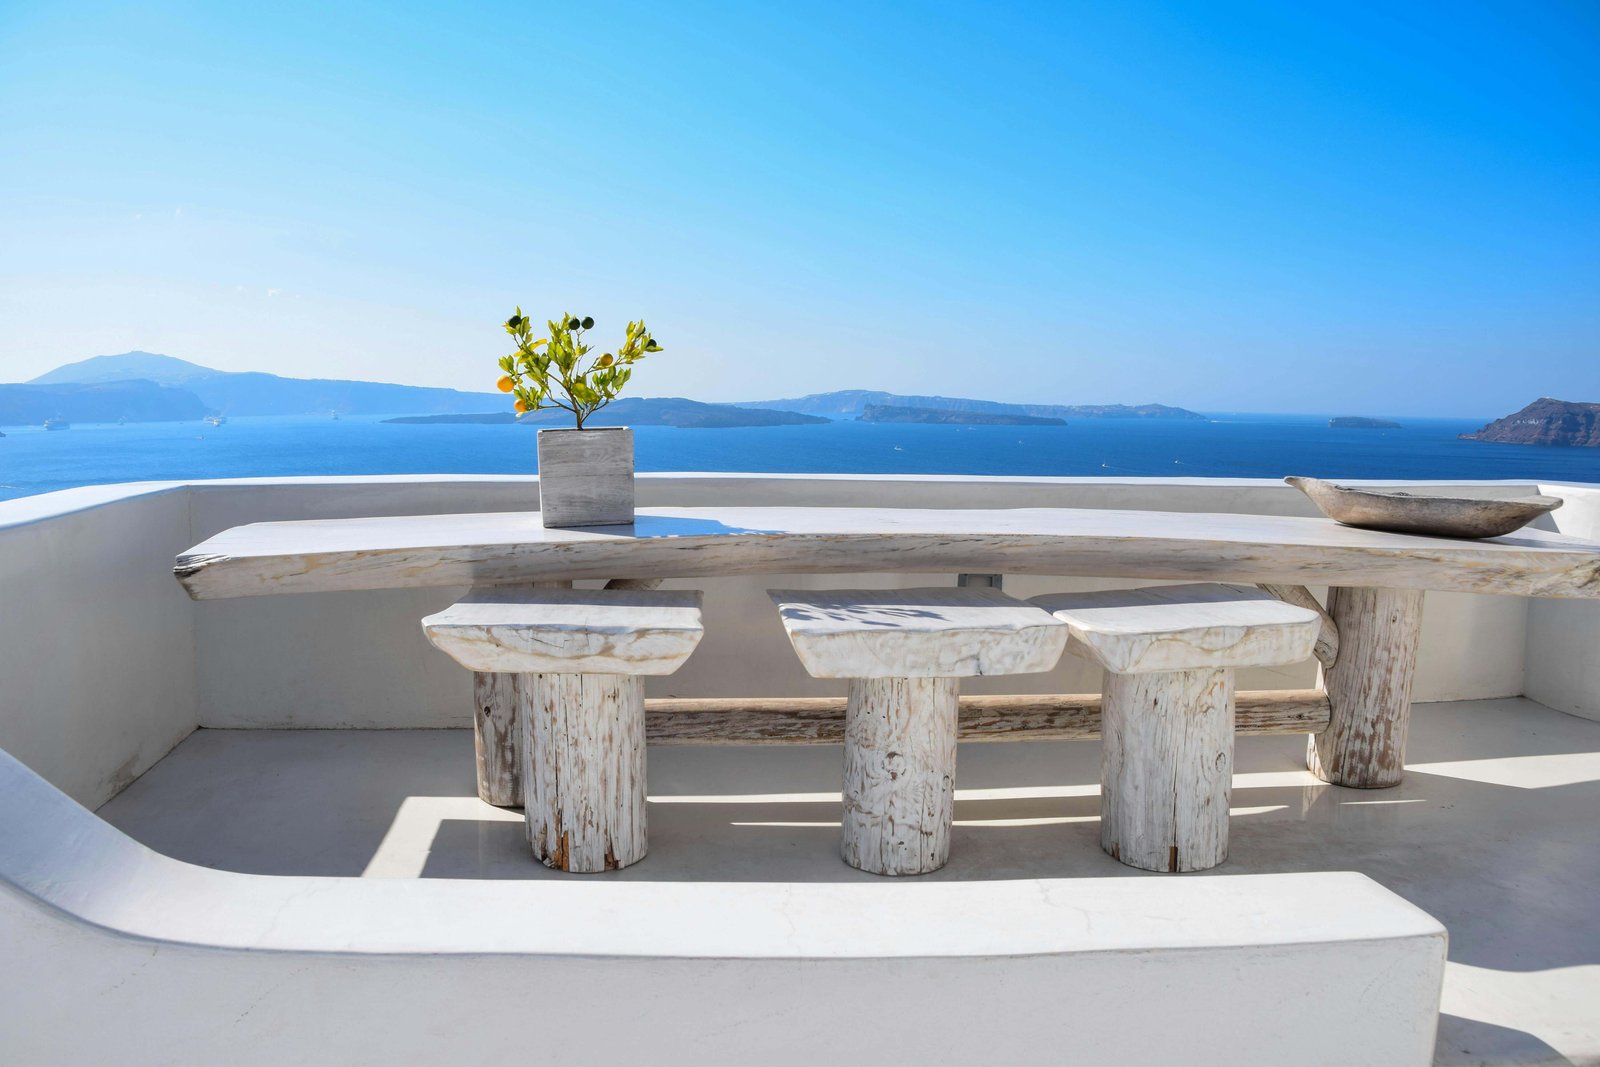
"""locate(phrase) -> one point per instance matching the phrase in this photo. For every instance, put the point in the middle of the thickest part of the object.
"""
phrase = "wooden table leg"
(1369, 688)
(899, 774)
(497, 737)
(584, 769)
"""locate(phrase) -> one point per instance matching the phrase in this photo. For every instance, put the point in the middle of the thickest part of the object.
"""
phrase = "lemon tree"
(559, 369)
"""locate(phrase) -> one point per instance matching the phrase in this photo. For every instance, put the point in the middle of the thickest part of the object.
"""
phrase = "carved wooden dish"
(1441, 516)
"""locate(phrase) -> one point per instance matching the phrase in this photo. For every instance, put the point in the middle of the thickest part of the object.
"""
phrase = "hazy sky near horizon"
(1357, 208)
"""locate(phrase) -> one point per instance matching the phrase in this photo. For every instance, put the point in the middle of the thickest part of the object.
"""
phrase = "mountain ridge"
(260, 393)
(80, 391)
(852, 403)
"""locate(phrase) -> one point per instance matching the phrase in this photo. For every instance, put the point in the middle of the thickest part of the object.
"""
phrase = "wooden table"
(1375, 606)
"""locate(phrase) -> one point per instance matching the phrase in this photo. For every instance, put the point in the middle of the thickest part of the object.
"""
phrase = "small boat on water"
(216, 420)
(57, 423)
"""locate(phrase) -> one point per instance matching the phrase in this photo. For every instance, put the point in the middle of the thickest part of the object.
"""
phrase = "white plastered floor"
(1496, 832)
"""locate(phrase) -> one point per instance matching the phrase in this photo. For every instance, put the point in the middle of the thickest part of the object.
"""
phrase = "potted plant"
(585, 475)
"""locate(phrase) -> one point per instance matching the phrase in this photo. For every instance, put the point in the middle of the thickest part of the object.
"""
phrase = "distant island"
(151, 387)
(135, 401)
(1361, 422)
(194, 390)
(636, 411)
(1546, 421)
(949, 417)
(852, 404)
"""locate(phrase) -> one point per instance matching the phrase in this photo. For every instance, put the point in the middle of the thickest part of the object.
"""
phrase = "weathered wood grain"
(1423, 513)
(498, 548)
(634, 583)
(899, 774)
(497, 738)
(584, 770)
(917, 633)
(1327, 650)
(1369, 689)
(586, 477)
(1183, 627)
(1166, 769)
(820, 720)
(523, 629)
(497, 731)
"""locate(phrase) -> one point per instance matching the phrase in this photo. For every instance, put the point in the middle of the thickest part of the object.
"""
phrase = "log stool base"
(899, 774)
(1167, 711)
(1166, 769)
(584, 770)
(559, 715)
(905, 652)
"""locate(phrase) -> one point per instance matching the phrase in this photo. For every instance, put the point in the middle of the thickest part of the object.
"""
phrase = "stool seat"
(1184, 627)
(905, 651)
(522, 630)
(1167, 708)
(560, 724)
(917, 633)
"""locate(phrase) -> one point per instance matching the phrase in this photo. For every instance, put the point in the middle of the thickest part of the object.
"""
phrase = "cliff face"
(1546, 422)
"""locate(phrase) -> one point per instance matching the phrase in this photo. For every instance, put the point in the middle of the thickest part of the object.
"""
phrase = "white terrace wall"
(104, 664)
(1563, 636)
(97, 677)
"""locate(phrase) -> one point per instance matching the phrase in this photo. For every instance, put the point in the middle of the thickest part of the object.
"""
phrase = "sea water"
(1228, 446)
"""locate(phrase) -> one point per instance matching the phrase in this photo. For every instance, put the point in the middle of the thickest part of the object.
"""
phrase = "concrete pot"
(586, 477)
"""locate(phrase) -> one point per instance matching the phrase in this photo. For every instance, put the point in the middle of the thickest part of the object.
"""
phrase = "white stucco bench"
(905, 652)
(116, 953)
(578, 657)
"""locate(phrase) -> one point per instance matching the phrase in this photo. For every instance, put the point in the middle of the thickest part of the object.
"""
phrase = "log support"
(1369, 688)
(899, 774)
(584, 769)
(820, 720)
(1166, 769)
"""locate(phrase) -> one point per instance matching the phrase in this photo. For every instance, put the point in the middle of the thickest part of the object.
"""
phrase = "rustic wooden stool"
(905, 651)
(578, 657)
(1166, 766)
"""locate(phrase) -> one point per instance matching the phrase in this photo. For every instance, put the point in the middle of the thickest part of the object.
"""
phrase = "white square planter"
(586, 477)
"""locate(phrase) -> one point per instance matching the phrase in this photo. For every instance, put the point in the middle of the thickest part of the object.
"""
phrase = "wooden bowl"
(1440, 516)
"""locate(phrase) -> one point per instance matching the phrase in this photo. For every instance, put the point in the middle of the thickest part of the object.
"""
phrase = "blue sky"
(1381, 209)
